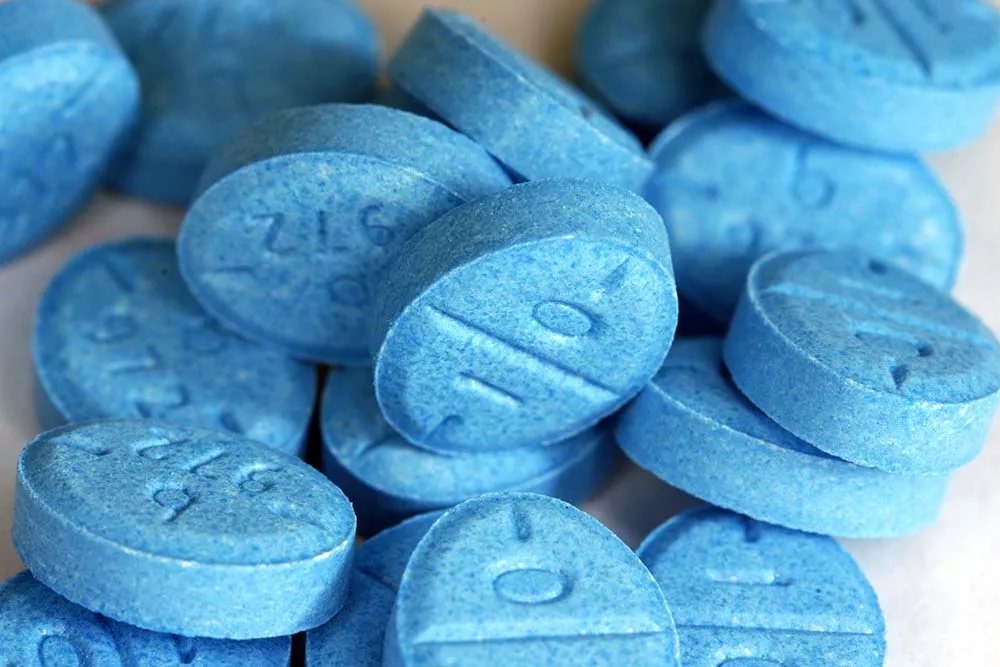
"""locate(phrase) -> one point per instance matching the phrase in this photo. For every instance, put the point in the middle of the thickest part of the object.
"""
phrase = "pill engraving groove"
(489, 390)
(80, 444)
(531, 586)
(173, 500)
(185, 648)
(58, 650)
(564, 319)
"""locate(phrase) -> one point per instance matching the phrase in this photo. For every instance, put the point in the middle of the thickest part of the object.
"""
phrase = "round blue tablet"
(779, 188)
(643, 60)
(388, 479)
(523, 580)
(211, 68)
(353, 638)
(864, 361)
(692, 428)
(118, 335)
(899, 75)
(69, 96)
(747, 594)
(529, 118)
(299, 215)
(45, 629)
(523, 318)
(206, 533)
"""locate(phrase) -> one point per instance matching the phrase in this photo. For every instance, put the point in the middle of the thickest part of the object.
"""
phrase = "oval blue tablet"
(779, 189)
(118, 335)
(69, 97)
(524, 317)
(388, 479)
(747, 594)
(299, 215)
(692, 428)
(208, 534)
(898, 75)
(642, 58)
(211, 68)
(864, 361)
(530, 119)
(353, 638)
(523, 580)
(45, 629)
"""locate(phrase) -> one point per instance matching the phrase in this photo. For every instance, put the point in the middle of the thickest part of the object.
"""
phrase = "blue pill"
(118, 335)
(69, 96)
(864, 361)
(747, 594)
(898, 75)
(692, 428)
(523, 318)
(521, 580)
(778, 189)
(353, 638)
(642, 58)
(45, 629)
(297, 217)
(538, 125)
(388, 479)
(183, 530)
(212, 68)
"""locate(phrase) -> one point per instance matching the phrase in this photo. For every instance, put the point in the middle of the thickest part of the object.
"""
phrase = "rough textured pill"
(207, 533)
(530, 119)
(524, 317)
(780, 189)
(118, 335)
(45, 629)
(299, 215)
(642, 58)
(899, 75)
(388, 479)
(692, 428)
(864, 361)
(353, 638)
(524, 580)
(747, 594)
(69, 96)
(211, 68)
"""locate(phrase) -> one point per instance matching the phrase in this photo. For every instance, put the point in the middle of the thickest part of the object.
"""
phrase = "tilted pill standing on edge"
(42, 628)
(864, 361)
(388, 479)
(208, 534)
(538, 125)
(779, 188)
(69, 96)
(898, 75)
(118, 335)
(524, 317)
(692, 428)
(747, 594)
(298, 216)
(211, 68)
(523, 580)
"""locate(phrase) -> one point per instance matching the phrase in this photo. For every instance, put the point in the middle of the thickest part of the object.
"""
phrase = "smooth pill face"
(880, 327)
(780, 188)
(952, 44)
(748, 593)
(118, 335)
(526, 580)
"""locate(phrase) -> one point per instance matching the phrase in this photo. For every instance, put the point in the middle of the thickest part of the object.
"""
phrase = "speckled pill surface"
(864, 361)
(118, 335)
(69, 96)
(748, 594)
(529, 118)
(211, 68)
(523, 318)
(299, 215)
(208, 534)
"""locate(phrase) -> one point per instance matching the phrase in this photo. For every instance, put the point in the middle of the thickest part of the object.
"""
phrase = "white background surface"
(940, 590)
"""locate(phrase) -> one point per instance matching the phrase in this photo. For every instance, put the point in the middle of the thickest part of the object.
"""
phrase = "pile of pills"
(434, 323)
